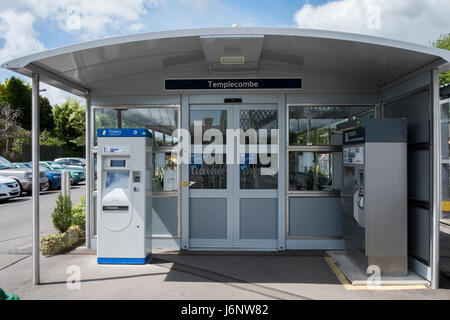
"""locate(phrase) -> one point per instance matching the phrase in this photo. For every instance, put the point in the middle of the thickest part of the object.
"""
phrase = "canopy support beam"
(88, 170)
(437, 204)
(76, 88)
(35, 132)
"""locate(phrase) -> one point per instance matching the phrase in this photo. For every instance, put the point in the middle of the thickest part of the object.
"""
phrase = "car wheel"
(45, 187)
(21, 189)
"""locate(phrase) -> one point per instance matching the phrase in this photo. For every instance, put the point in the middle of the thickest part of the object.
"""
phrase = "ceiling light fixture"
(232, 60)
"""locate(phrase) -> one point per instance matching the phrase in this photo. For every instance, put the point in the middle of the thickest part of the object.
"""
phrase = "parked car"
(54, 177)
(72, 161)
(22, 175)
(77, 173)
(9, 188)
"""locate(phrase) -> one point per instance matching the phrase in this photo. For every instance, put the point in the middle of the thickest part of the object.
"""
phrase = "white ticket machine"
(124, 202)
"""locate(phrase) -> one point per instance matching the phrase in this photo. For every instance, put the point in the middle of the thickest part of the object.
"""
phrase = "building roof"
(278, 51)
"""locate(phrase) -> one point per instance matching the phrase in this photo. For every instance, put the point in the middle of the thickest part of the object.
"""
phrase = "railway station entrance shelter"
(302, 83)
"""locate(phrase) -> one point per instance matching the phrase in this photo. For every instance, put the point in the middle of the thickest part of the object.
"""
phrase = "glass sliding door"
(233, 190)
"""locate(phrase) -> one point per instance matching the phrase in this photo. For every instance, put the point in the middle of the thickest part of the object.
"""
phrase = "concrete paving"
(445, 251)
(202, 277)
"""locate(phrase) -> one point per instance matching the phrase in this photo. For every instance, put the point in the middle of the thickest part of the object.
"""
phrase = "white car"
(9, 188)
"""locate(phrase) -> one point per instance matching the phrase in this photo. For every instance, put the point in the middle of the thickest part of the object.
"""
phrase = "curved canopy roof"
(204, 52)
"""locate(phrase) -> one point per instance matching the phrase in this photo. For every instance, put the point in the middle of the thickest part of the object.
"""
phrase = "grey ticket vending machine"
(124, 204)
(374, 193)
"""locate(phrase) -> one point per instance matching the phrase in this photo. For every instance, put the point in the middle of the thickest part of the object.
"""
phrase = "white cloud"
(16, 30)
(93, 19)
(96, 18)
(57, 96)
(408, 20)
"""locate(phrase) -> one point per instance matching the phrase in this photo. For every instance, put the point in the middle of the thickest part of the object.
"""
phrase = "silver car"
(80, 162)
(22, 175)
(9, 188)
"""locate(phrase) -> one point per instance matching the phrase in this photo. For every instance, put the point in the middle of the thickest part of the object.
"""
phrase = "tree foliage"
(17, 94)
(443, 42)
(70, 122)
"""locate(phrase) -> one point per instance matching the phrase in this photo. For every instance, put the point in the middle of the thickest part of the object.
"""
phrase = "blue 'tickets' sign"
(139, 132)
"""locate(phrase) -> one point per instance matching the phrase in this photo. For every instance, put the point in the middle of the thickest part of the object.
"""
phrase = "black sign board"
(234, 84)
(355, 136)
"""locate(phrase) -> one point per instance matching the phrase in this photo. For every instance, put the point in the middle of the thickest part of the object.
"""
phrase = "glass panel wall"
(310, 171)
(165, 176)
(314, 168)
(445, 167)
(314, 145)
(160, 121)
(104, 118)
(312, 126)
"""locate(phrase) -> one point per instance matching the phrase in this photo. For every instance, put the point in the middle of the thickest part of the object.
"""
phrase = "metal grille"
(256, 119)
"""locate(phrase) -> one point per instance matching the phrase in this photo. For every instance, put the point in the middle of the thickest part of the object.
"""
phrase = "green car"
(77, 173)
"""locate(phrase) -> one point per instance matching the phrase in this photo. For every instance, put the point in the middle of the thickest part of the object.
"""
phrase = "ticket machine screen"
(117, 180)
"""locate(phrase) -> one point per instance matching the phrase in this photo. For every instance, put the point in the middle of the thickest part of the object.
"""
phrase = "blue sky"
(29, 26)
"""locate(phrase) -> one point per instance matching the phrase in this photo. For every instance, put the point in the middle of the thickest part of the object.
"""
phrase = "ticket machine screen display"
(118, 163)
(117, 180)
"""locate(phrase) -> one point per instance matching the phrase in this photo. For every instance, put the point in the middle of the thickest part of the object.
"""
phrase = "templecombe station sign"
(233, 84)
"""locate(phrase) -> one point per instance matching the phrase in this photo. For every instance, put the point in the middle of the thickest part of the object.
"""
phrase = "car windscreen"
(55, 165)
(5, 164)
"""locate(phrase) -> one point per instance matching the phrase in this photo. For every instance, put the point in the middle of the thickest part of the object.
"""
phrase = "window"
(165, 176)
(254, 174)
(160, 121)
(312, 126)
(310, 171)
(201, 174)
(314, 145)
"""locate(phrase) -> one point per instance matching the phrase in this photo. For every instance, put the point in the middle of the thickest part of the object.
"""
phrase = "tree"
(443, 42)
(46, 115)
(18, 95)
(62, 214)
(9, 123)
(70, 122)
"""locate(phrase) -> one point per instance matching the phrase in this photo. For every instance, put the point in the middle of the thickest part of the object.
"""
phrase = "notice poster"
(160, 161)
(170, 180)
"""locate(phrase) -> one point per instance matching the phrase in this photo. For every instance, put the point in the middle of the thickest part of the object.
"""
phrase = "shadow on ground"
(248, 268)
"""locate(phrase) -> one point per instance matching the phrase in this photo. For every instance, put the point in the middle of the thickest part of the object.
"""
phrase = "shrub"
(62, 214)
(72, 236)
(52, 244)
(79, 214)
